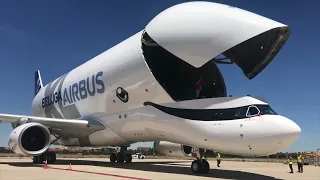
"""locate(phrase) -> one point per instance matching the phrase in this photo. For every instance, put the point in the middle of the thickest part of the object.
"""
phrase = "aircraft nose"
(275, 134)
(295, 128)
(292, 128)
(289, 131)
(282, 133)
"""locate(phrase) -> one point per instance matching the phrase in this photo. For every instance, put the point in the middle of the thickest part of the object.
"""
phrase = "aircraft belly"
(100, 138)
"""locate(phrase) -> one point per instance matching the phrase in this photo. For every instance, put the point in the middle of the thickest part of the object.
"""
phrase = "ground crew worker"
(202, 154)
(290, 164)
(218, 159)
(300, 163)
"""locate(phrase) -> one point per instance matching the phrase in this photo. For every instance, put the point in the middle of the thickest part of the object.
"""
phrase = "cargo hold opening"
(254, 54)
(179, 78)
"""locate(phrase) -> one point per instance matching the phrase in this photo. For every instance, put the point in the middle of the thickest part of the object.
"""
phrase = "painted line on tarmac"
(104, 174)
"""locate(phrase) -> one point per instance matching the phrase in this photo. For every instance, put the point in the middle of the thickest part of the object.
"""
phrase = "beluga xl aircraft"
(143, 89)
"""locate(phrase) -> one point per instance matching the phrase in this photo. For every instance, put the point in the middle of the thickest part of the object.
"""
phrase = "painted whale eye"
(122, 94)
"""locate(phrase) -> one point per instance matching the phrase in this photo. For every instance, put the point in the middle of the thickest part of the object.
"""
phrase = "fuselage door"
(197, 32)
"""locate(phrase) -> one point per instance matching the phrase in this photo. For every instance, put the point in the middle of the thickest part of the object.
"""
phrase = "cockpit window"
(241, 112)
(266, 109)
(253, 111)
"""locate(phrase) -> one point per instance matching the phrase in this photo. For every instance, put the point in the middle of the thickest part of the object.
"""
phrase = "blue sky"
(57, 36)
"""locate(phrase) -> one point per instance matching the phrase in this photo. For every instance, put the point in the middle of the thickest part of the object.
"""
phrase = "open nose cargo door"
(197, 32)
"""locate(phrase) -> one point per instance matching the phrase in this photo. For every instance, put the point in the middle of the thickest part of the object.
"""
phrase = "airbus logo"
(78, 91)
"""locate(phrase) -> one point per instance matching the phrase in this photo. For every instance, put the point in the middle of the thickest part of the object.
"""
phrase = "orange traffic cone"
(70, 167)
(45, 166)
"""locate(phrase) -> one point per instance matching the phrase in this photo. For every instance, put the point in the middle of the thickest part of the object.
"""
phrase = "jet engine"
(172, 149)
(29, 139)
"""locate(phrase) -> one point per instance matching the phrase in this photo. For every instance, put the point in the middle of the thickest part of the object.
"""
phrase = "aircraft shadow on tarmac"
(172, 167)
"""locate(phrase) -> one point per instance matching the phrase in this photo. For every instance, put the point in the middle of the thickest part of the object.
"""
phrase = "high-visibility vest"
(299, 159)
(290, 160)
(218, 157)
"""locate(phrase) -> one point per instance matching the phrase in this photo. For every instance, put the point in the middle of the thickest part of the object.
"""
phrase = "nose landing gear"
(200, 165)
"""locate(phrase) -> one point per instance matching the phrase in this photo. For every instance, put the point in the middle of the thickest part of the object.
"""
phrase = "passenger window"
(253, 111)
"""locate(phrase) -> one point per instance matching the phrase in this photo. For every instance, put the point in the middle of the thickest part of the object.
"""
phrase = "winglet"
(37, 82)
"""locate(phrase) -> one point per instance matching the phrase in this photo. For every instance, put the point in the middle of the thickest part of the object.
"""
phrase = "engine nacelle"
(29, 139)
(172, 149)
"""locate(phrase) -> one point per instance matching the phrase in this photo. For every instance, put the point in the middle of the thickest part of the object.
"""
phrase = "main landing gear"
(49, 156)
(121, 156)
(200, 165)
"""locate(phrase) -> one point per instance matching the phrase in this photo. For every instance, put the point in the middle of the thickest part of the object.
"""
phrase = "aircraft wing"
(62, 127)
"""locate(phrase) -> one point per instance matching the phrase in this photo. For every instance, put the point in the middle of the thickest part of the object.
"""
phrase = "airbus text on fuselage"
(77, 91)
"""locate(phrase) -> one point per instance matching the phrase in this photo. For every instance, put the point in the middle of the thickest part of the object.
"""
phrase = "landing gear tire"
(51, 157)
(120, 157)
(113, 157)
(198, 166)
(128, 158)
(205, 166)
(36, 159)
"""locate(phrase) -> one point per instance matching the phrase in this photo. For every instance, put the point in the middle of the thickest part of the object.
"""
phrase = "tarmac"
(164, 169)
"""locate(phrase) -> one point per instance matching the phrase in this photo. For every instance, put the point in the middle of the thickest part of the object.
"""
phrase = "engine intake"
(29, 139)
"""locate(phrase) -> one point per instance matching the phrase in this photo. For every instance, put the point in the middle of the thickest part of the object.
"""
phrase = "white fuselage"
(261, 135)
(121, 66)
(90, 92)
